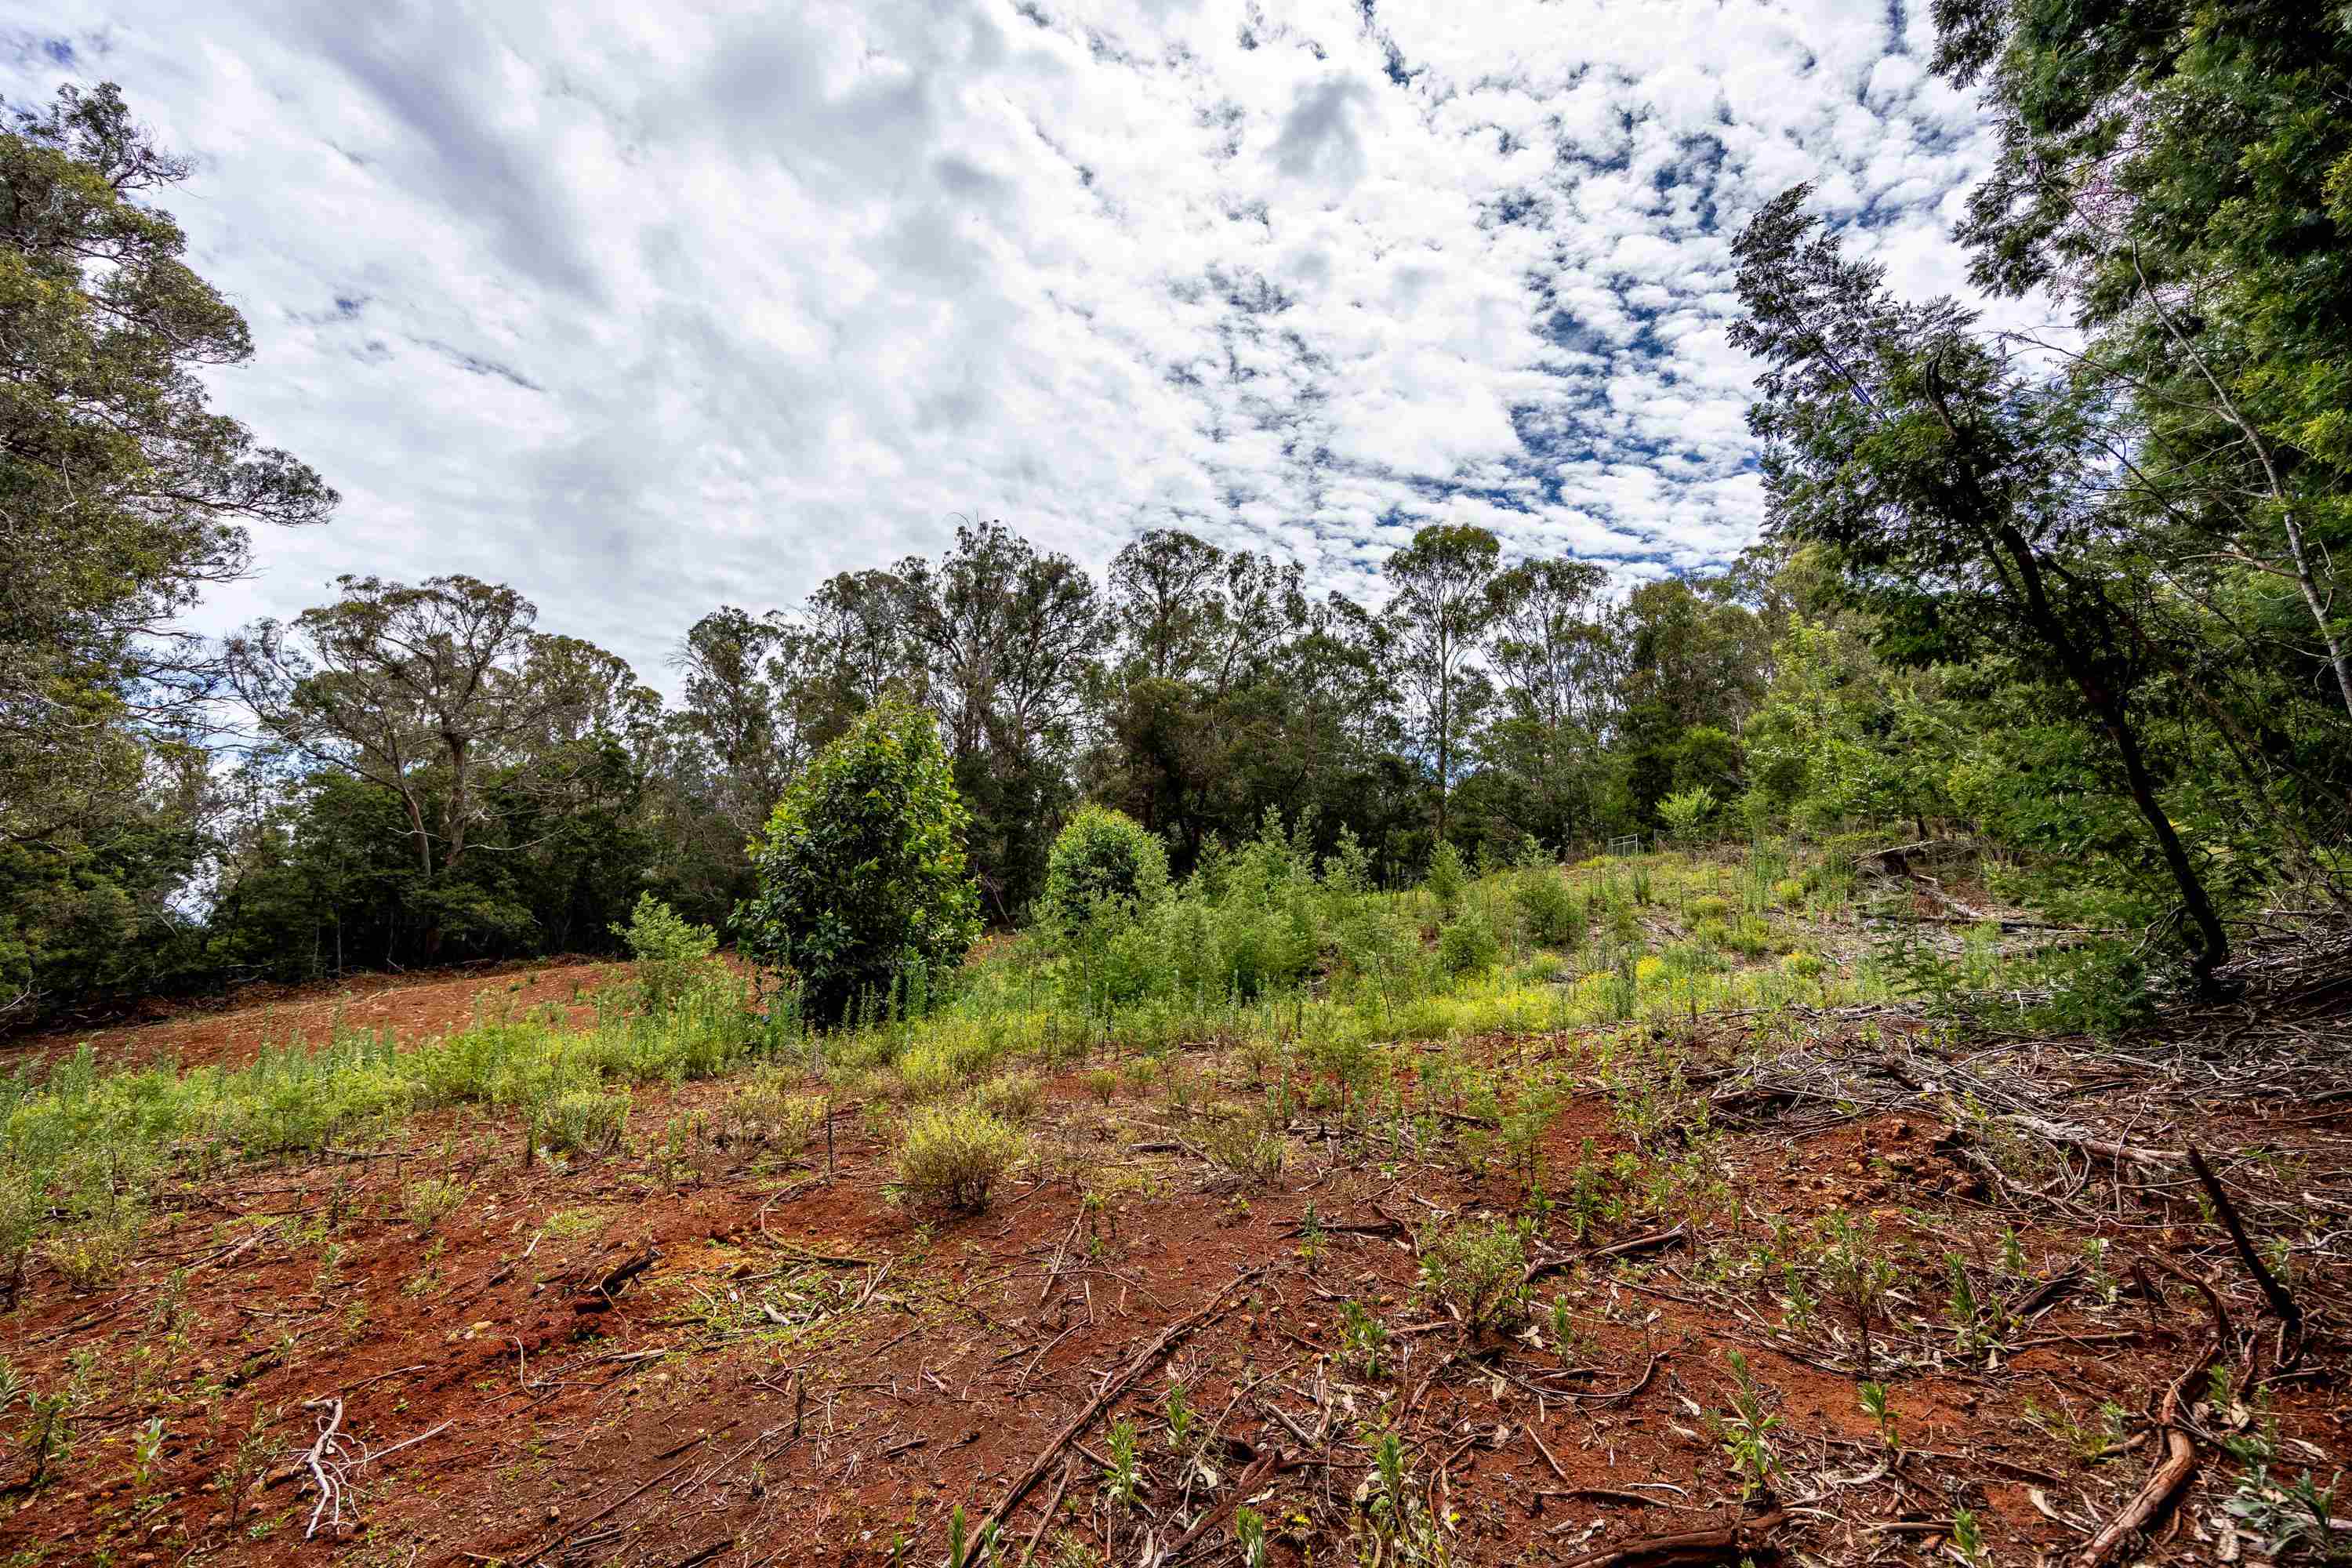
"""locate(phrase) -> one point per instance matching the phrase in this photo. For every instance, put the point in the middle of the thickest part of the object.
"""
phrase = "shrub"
(430, 1200)
(1475, 1272)
(1446, 878)
(773, 1108)
(861, 870)
(576, 1118)
(1684, 810)
(1245, 1146)
(1468, 946)
(1013, 1098)
(1554, 915)
(670, 952)
(954, 1154)
(1104, 864)
(1709, 907)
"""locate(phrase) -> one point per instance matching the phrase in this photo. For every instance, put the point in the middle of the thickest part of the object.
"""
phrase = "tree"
(1555, 662)
(862, 869)
(424, 692)
(121, 496)
(1944, 476)
(1443, 614)
(1009, 638)
(2183, 175)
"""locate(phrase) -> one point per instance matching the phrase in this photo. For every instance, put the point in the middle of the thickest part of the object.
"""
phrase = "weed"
(1245, 1146)
(1873, 1404)
(1364, 1336)
(1123, 1477)
(429, 1200)
(953, 1155)
(1746, 1434)
(1476, 1273)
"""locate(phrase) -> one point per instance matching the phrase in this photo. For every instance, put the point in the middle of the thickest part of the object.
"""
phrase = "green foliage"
(670, 953)
(1683, 811)
(1552, 914)
(952, 1155)
(1468, 945)
(1447, 876)
(861, 867)
(1104, 867)
(1475, 1272)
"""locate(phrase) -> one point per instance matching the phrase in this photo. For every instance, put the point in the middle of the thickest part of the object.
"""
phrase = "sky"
(645, 310)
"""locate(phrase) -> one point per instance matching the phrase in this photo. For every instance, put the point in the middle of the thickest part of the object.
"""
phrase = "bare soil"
(802, 1369)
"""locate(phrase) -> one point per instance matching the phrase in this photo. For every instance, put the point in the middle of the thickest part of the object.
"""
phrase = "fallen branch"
(325, 1450)
(1113, 1387)
(1684, 1549)
(2282, 1302)
(2172, 1472)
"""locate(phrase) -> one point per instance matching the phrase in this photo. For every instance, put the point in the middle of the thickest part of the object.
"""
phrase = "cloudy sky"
(647, 309)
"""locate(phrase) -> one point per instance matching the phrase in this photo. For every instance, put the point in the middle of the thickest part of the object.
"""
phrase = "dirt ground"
(723, 1355)
(233, 1030)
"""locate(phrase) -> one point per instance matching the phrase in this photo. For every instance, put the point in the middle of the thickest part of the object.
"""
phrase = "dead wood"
(1114, 1388)
(2173, 1471)
(1684, 1549)
(2282, 1301)
(600, 1297)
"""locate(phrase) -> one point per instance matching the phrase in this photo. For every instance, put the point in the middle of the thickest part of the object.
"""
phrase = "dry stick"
(1069, 1467)
(2172, 1473)
(2282, 1304)
(315, 1458)
(1692, 1547)
(1243, 1484)
(1113, 1389)
(561, 1536)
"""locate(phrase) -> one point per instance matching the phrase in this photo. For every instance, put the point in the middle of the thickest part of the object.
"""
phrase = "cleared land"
(1692, 1229)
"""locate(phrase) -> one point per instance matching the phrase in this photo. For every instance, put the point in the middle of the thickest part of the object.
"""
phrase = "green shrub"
(429, 1200)
(1104, 867)
(1446, 878)
(953, 1155)
(670, 953)
(1246, 1146)
(1553, 914)
(1709, 907)
(1476, 1273)
(582, 1119)
(773, 1108)
(1013, 1098)
(862, 878)
(1468, 946)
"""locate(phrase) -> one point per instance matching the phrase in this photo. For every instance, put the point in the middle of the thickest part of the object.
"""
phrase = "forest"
(2076, 596)
(1837, 1055)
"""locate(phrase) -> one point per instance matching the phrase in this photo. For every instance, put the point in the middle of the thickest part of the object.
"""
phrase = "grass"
(1299, 975)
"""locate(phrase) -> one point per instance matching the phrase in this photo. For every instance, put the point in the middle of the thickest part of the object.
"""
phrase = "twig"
(1692, 1547)
(1113, 1388)
(2282, 1303)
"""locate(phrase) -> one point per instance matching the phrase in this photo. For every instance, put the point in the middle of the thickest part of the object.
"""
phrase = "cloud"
(647, 311)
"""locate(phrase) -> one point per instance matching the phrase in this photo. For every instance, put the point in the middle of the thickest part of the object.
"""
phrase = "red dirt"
(923, 1363)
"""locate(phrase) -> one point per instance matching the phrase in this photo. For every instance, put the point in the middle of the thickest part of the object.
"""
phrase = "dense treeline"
(2079, 594)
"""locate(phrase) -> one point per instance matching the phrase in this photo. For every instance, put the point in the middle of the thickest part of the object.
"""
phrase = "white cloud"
(645, 312)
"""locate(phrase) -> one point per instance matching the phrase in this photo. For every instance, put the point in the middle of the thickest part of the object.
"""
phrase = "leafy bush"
(1245, 1146)
(1104, 865)
(1553, 914)
(1685, 809)
(773, 1108)
(429, 1200)
(577, 1118)
(953, 1155)
(670, 952)
(1476, 1273)
(1468, 946)
(1448, 878)
(862, 874)
(1013, 1098)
